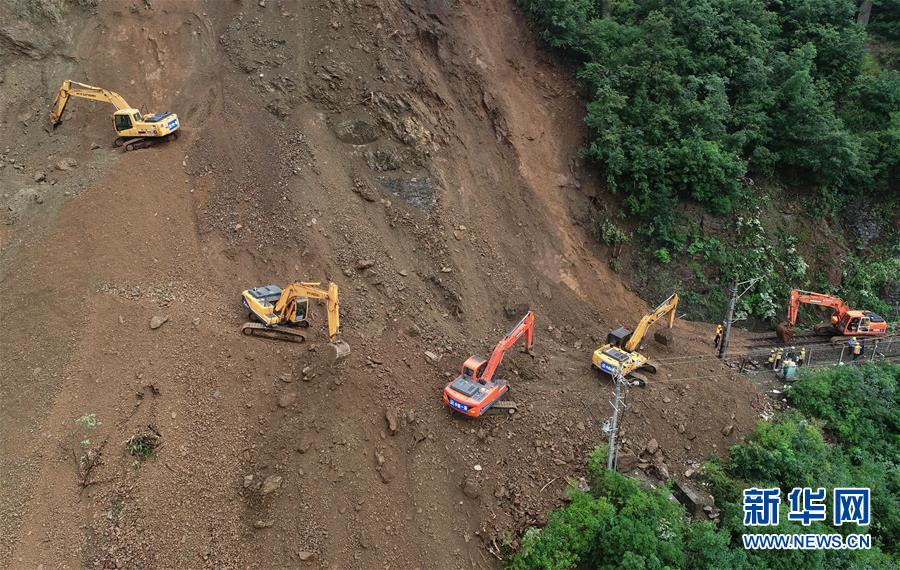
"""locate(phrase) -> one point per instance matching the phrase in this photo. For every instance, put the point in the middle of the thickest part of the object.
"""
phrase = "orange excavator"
(475, 391)
(844, 322)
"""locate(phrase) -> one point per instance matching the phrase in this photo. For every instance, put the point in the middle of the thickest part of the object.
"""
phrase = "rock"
(458, 235)
(94, 146)
(286, 378)
(271, 484)
(387, 472)
(196, 321)
(39, 198)
(306, 556)
(66, 164)
(263, 524)
(303, 446)
(471, 488)
(689, 473)
(364, 264)
(157, 321)
(726, 431)
(391, 417)
(667, 400)
(287, 399)
(39, 177)
(248, 481)
(665, 338)
(652, 446)
(262, 3)
(693, 498)
(627, 461)
(432, 356)
(237, 227)
(403, 273)
(446, 269)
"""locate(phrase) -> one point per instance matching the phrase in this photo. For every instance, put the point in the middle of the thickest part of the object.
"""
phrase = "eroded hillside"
(418, 154)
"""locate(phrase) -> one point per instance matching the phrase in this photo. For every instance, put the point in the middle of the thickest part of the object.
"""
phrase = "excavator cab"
(473, 368)
(122, 120)
(260, 305)
(618, 337)
(861, 322)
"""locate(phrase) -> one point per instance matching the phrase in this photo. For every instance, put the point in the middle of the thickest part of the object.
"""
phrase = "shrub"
(662, 256)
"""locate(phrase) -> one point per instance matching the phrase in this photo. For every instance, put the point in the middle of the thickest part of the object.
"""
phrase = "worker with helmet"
(855, 347)
(719, 330)
(802, 358)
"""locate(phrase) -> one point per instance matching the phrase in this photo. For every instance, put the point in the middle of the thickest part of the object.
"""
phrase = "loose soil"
(418, 154)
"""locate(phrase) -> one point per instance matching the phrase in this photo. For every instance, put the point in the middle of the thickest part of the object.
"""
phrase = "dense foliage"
(860, 406)
(620, 524)
(688, 97)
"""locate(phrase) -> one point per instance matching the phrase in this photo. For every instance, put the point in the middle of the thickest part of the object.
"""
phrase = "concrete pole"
(726, 334)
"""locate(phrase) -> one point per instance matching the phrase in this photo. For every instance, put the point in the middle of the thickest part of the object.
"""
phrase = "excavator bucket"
(339, 351)
(785, 332)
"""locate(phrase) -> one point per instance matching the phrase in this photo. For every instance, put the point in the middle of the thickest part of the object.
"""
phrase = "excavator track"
(288, 334)
(637, 379)
(145, 142)
(504, 407)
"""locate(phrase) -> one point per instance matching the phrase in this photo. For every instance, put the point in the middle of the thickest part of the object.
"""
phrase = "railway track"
(825, 352)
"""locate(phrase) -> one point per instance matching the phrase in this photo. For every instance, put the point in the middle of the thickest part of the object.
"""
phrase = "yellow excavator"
(619, 356)
(134, 130)
(280, 313)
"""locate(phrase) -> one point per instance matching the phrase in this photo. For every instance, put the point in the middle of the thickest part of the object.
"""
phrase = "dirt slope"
(419, 154)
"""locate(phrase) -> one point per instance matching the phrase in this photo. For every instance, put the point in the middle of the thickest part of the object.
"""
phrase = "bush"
(662, 256)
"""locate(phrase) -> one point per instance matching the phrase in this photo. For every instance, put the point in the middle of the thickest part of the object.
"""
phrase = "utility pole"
(729, 318)
(618, 406)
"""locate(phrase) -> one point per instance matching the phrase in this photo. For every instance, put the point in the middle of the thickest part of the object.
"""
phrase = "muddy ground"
(418, 154)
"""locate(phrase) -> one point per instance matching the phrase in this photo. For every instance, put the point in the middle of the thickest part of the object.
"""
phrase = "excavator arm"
(667, 307)
(798, 296)
(286, 307)
(73, 89)
(524, 327)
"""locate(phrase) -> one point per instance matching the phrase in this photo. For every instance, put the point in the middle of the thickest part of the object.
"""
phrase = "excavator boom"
(667, 307)
(523, 327)
(74, 89)
(798, 296)
(286, 307)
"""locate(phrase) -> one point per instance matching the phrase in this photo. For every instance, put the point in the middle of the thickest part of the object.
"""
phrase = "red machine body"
(474, 391)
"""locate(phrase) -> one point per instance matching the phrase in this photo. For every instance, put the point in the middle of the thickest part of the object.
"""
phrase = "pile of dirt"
(418, 155)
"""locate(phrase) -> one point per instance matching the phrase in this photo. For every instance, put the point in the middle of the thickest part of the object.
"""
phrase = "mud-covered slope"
(420, 155)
